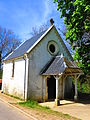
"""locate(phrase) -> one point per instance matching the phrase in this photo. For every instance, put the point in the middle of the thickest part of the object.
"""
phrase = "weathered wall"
(60, 86)
(68, 87)
(15, 85)
(39, 57)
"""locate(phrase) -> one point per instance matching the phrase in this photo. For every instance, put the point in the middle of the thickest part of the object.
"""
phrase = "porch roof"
(60, 65)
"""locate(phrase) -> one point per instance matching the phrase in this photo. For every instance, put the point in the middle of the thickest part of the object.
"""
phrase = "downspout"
(26, 76)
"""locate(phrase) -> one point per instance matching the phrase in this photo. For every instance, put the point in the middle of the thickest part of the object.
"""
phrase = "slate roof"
(28, 45)
(60, 65)
(23, 48)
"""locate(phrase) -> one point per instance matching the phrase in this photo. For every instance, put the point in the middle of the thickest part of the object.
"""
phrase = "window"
(53, 47)
(13, 65)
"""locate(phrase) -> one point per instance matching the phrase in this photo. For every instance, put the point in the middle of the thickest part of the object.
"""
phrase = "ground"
(80, 110)
(41, 115)
(9, 113)
(36, 114)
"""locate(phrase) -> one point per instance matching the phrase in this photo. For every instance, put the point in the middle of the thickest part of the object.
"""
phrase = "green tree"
(76, 15)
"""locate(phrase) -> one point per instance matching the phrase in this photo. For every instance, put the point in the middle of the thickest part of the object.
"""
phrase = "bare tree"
(8, 41)
(40, 29)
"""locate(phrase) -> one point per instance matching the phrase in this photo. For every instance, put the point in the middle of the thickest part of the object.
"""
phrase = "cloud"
(22, 15)
(49, 9)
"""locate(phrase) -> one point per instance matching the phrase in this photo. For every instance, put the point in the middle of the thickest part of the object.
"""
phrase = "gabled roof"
(28, 45)
(23, 48)
(60, 65)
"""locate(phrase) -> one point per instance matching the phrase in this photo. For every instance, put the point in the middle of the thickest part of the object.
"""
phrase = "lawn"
(33, 104)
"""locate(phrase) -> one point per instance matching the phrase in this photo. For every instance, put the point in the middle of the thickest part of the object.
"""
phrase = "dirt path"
(42, 115)
(79, 110)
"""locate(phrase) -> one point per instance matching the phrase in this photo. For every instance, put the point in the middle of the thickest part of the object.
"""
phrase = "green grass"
(14, 96)
(35, 105)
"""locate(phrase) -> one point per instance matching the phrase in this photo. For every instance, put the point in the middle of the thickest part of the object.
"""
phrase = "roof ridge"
(36, 35)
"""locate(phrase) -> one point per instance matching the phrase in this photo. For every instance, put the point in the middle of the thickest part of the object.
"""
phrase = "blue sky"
(21, 15)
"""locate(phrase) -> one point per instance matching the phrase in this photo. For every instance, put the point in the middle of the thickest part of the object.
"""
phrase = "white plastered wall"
(38, 58)
(14, 85)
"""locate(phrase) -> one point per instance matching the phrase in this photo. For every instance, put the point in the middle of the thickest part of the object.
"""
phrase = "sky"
(21, 15)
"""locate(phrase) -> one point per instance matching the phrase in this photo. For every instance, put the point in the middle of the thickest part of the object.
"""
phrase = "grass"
(14, 96)
(35, 105)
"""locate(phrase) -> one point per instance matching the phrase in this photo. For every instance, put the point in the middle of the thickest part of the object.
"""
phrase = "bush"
(0, 74)
(85, 87)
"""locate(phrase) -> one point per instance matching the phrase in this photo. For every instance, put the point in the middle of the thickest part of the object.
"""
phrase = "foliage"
(85, 88)
(76, 15)
(8, 41)
(0, 74)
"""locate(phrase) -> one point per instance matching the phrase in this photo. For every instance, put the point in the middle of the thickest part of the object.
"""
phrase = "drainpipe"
(26, 76)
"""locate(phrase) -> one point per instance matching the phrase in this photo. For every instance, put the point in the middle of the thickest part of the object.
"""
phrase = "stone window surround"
(55, 44)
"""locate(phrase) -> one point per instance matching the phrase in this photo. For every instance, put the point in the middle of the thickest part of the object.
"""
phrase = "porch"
(59, 69)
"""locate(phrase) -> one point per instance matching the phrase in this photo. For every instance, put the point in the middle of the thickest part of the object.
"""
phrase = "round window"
(53, 47)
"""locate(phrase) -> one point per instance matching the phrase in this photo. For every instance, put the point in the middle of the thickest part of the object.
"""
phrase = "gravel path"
(79, 110)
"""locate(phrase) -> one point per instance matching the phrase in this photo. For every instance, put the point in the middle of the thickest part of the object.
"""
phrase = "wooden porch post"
(63, 77)
(57, 94)
(44, 88)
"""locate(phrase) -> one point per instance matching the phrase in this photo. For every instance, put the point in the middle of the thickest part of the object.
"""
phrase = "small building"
(40, 68)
